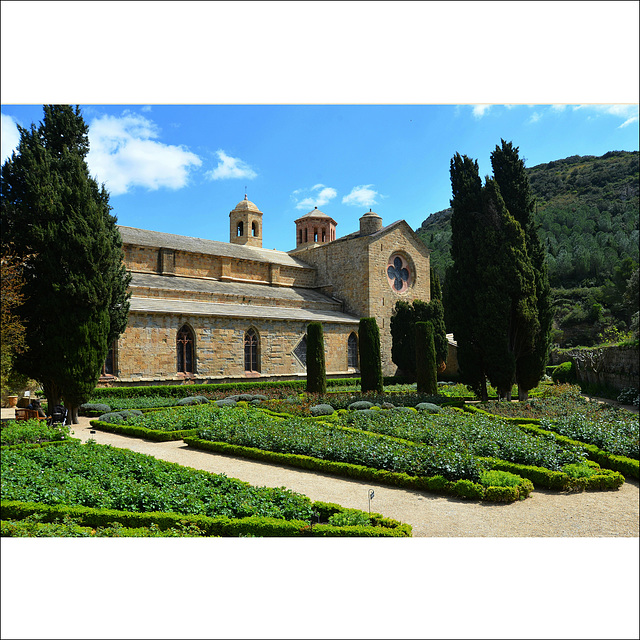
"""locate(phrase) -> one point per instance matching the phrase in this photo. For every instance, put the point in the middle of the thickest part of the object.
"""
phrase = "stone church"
(210, 311)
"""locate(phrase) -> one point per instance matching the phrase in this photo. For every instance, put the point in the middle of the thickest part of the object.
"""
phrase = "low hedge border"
(222, 526)
(142, 432)
(603, 480)
(434, 484)
(31, 445)
(622, 464)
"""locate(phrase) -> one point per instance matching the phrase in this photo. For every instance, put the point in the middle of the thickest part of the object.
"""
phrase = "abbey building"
(212, 311)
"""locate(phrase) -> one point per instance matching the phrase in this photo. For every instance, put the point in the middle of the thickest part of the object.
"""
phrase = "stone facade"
(203, 310)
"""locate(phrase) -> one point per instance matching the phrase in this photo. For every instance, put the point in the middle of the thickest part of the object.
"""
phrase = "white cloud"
(362, 196)
(480, 110)
(124, 154)
(10, 136)
(627, 112)
(535, 117)
(230, 167)
(322, 196)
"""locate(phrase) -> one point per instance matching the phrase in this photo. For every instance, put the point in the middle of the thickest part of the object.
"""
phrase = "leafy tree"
(403, 321)
(57, 220)
(13, 329)
(370, 362)
(425, 355)
(316, 372)
(532, 353)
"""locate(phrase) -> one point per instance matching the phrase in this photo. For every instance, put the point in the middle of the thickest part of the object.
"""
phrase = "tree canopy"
(56, 219)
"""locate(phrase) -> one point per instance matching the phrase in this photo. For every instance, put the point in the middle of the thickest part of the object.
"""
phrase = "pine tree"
(316, 372)
(509, 172)
(436, 289)
(370, 362)
(57, 219)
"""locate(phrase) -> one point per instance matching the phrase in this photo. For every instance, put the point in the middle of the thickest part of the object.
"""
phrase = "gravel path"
(543, 514)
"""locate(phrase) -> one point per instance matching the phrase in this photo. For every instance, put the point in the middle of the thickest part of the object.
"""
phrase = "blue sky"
(181, 169)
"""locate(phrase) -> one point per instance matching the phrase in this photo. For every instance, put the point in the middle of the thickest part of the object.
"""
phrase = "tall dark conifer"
(57, 219)
(465, 276)
(509, 172)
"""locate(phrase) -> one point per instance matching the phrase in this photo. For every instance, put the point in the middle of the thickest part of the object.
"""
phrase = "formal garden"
(447, 444)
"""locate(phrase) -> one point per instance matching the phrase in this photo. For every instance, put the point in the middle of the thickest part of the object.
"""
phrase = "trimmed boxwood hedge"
(142, 432)
(626, 466)
(212, 526)
(435, 484)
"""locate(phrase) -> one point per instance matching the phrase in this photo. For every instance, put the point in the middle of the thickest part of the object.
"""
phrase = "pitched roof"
(250, 291)
(254, 312)
(146, 238)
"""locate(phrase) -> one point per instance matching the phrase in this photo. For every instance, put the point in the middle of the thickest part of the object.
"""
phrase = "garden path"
(544, 514)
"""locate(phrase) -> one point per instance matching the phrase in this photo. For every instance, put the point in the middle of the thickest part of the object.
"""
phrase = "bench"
(28, 414)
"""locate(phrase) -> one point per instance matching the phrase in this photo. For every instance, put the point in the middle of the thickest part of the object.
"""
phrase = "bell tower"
(245, 224)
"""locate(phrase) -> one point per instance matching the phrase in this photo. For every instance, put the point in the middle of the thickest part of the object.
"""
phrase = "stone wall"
(146, 352)
(615, 367)
(353, 269)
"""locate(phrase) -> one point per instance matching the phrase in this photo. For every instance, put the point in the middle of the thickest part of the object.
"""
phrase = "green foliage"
(425, 356)
(564, 373)
(316, 372)
(586, 216)
(494, 478)
(32, 431)
(350, 518)
(321, 410)
(370, 359)
(107, 478)
(57, 220)
(403, 321)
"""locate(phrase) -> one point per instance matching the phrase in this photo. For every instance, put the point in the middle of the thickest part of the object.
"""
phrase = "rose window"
(398, 273)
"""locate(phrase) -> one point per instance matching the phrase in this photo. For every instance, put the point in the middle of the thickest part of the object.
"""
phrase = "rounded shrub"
(189, 401)
(468, 489)
(428, 407)
(565, 372)
(360, 404)
(321, 410)
(226, 402)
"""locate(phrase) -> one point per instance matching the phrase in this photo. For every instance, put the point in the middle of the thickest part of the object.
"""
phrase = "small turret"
(370, 223)
(245, 224)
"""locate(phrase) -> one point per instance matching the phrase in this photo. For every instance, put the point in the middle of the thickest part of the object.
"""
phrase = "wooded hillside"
(587, 209)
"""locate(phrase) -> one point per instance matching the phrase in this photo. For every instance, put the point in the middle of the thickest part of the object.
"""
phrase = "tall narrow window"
(254, 229)
(251, 355)
(352, 351)
(109, 366)
(240, 230)
(184, 348)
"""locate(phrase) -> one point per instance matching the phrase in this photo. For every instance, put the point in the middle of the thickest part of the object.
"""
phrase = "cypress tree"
(426, 371)
(436, 289)
(403, 321)
(370, 362)
(316, 372)
(509, 172)
(465, 277)
(57, 219)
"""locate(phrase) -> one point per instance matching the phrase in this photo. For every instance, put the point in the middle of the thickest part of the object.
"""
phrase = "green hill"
(587, 209)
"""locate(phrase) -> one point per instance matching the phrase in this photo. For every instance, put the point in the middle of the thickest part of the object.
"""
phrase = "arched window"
(254, 229)
(109, 366)
(240, 230)
(184, 349)
(352, 351)
(300, 351)
(251, 351)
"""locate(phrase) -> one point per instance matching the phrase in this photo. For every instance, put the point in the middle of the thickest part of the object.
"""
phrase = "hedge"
(434, 484)
(212, 526)
(622, 464)
(142, 432)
